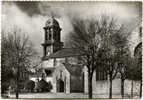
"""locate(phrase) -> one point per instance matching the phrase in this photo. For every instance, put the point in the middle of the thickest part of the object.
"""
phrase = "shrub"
(44, 86)
(30, 85)
(4, 87)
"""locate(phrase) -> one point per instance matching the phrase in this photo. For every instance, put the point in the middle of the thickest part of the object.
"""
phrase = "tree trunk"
(90, 86)
(17, 87)
(17, 79)
(17, 95)
(110, 89)
(141, 88)
(132, 89)
(122, 87)
(17, 84)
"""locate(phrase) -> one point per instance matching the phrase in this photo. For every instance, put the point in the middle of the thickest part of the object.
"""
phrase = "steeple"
(52, 15)
(52, 42)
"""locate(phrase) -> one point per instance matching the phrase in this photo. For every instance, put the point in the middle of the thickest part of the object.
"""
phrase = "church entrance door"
(60, 85)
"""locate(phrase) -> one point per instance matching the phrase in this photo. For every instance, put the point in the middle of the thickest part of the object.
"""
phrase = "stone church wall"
(61, 73)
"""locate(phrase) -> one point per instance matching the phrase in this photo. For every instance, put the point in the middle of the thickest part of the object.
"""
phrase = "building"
(61, 64)
(63, 69)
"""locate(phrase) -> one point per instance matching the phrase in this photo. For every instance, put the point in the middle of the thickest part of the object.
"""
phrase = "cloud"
(31, 8)
(32, 26)
(31, 16)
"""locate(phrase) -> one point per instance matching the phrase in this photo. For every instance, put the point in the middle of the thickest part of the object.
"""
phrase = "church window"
(48, 51)
(47, 32)
(101, 74)
(56, 37)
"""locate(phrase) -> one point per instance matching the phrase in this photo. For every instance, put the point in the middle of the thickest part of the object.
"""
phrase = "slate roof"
(65, 52)
(74, 70)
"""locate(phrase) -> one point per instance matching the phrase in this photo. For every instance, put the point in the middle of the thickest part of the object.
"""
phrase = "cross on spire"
(52, 14)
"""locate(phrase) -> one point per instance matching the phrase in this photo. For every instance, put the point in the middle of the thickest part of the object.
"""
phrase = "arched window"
(47, 33)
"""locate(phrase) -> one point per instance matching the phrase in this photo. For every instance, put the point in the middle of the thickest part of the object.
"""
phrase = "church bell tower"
(52, 40)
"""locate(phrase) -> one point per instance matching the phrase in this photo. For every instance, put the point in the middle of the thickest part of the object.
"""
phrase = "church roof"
(66, 52)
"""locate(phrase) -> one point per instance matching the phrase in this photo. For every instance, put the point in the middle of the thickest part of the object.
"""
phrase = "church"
(61, 65)
(63, 69)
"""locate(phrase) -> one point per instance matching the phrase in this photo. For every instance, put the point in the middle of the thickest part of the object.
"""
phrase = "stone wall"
(102, 87)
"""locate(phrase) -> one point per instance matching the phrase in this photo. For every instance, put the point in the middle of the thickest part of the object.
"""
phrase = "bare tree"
(96, 40)
(113, 39)
(85, 39)
(17, 51)
(134, 72)
(123, 67)
(123, 58)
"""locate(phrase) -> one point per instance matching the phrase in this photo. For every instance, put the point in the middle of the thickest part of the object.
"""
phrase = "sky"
(31, 16)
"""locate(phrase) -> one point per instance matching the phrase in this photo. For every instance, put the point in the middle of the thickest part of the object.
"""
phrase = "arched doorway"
(60, 85)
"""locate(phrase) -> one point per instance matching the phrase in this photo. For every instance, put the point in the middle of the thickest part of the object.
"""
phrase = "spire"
(52, 15)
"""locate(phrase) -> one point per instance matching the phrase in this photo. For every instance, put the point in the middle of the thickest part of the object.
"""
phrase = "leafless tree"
(114, 40)
(132, 73)
(95, 38)
(85, 39)
(135, 72)
(17, 51)
(123, 56)
(123, 62)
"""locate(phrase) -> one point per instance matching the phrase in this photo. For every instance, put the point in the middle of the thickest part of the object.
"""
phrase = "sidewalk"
(63, 95)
